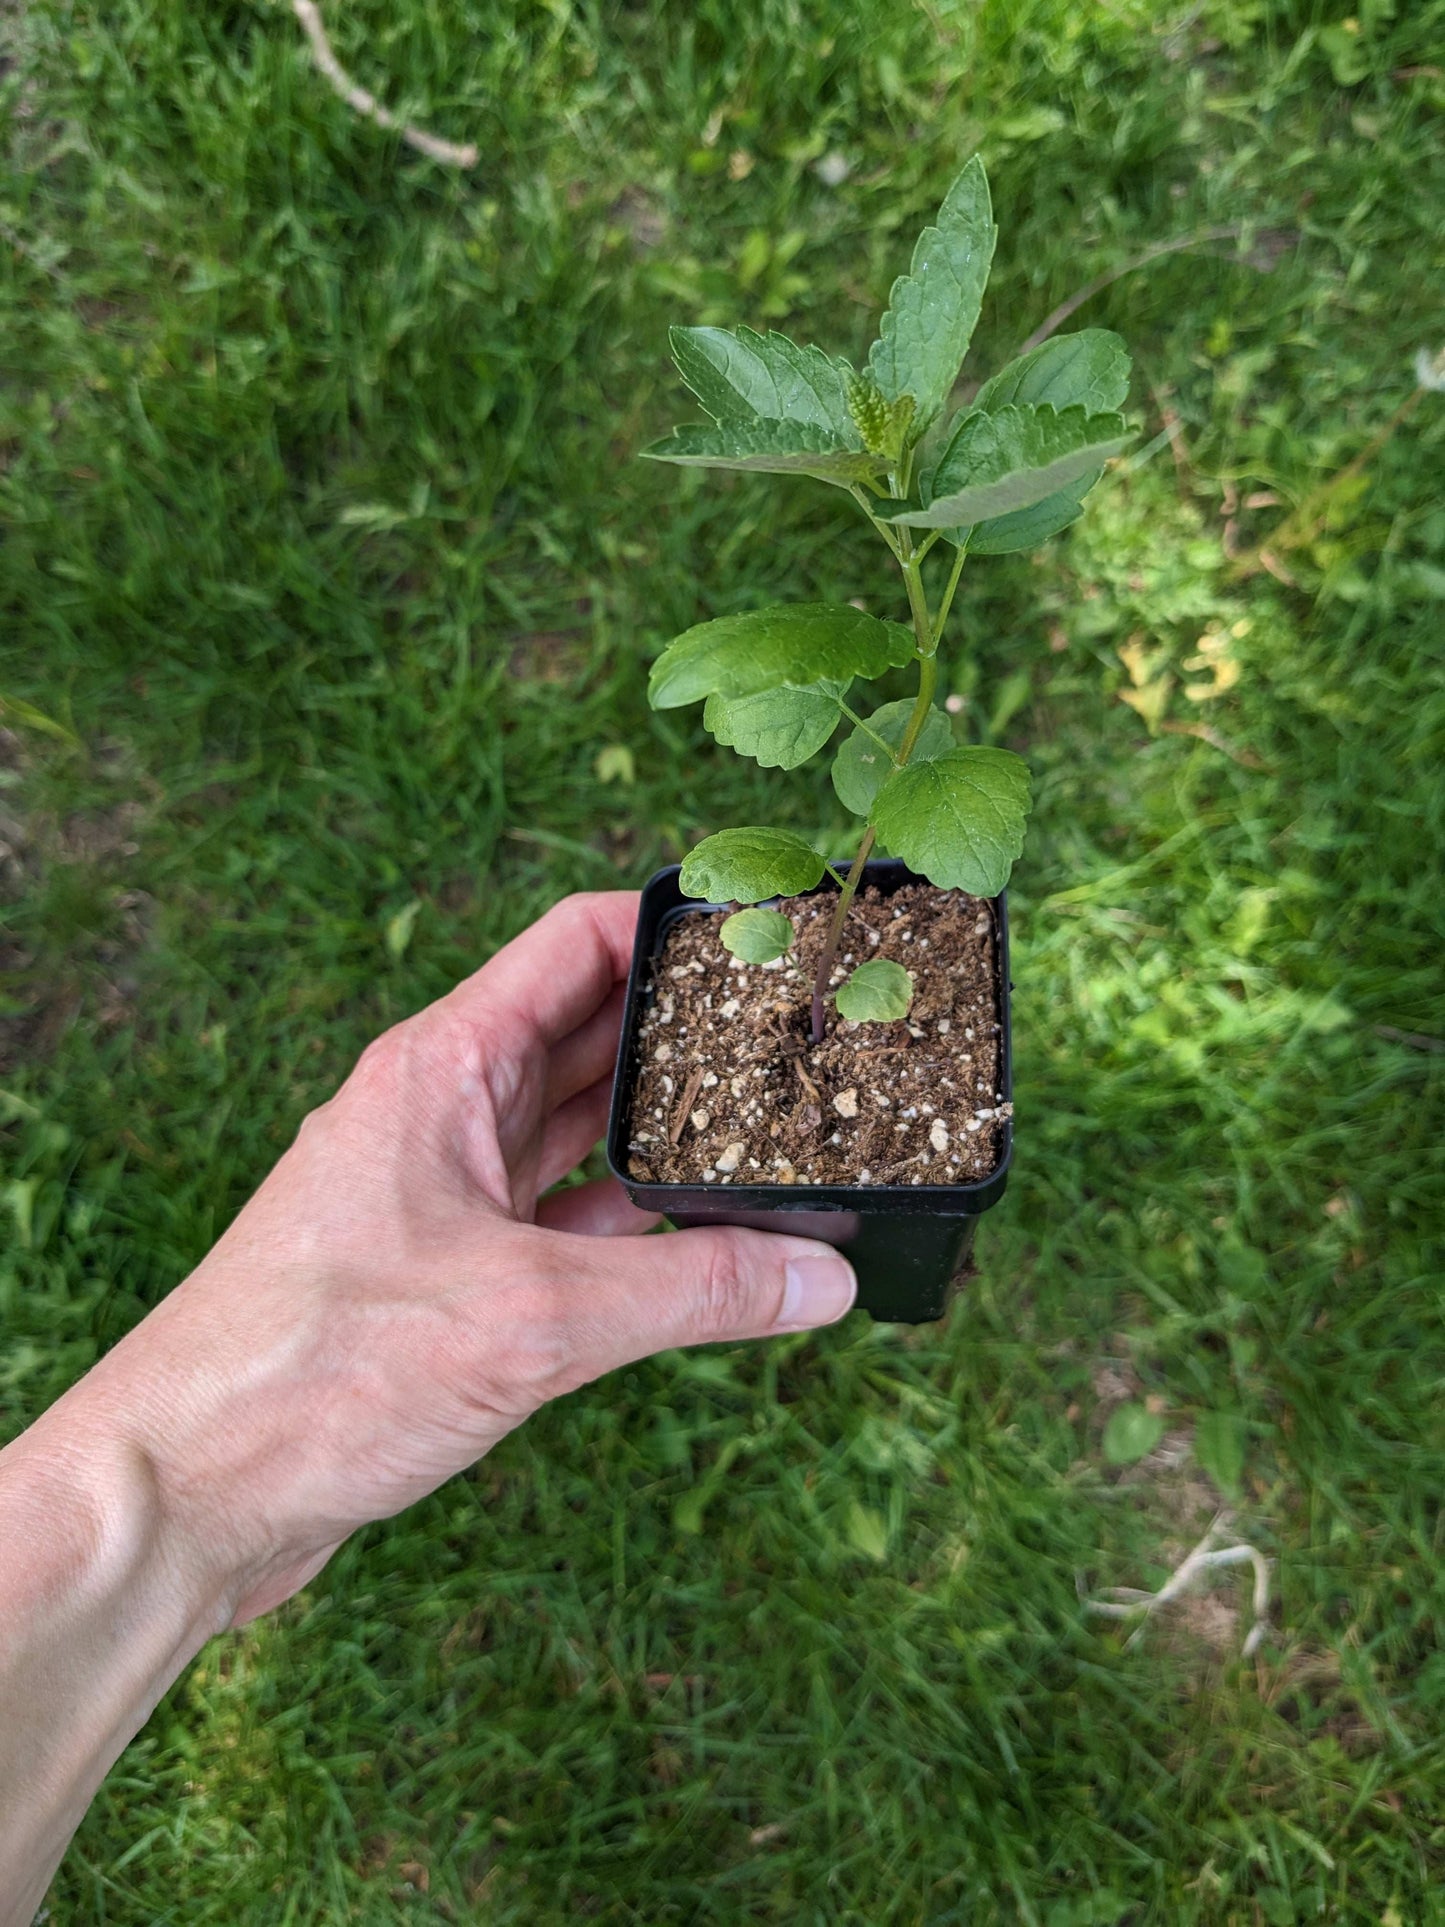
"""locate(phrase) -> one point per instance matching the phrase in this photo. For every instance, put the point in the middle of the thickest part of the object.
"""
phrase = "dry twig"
(1205, 733)
(1206, 237)
(1411, 1039)
(1128, 1602)
(683, 1108)
(808, 1085)
(449, 153)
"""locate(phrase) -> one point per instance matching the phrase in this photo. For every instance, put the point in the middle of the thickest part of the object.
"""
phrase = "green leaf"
(20, 711)
(1026, 528)
(780, 727)
(957, 819)
(1088, 370)
(933, 309)
(860, 768)
(757, 936)
(399, 928)
(1219, 1445)
(688, 1509)
(747, 865)
(995, 464)
(877, 992)
(769, 447)
(1131, 1434)
(798, 643)
(739, 375)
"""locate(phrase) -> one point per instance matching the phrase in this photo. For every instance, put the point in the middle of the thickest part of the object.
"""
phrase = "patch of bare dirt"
(557, 657)
(48, 983)
(644, 218)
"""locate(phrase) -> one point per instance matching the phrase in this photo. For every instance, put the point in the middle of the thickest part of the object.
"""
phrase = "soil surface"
(731, 1091)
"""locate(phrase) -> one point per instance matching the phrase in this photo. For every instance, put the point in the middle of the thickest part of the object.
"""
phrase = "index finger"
(555, 975)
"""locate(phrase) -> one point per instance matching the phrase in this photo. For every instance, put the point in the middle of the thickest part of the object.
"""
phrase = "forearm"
(100, 1610)
(399, 1294)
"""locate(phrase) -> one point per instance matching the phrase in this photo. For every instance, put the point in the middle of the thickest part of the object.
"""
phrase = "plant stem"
(927, 652)
(883, 528)
(835, 932)
(925, 637)
(927, 679)
(858, 723)
(947, 603)
(909, 562)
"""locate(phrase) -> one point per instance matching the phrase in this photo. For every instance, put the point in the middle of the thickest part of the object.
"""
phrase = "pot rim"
(723, 1200)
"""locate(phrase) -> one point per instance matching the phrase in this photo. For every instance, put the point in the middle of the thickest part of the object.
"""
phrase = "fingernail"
(819, 1289)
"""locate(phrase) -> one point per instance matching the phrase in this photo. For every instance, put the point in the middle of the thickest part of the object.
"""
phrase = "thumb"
(614, 1300)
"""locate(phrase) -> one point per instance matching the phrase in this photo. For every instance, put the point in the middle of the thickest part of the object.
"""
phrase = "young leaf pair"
(876, 992)
(1005, 471)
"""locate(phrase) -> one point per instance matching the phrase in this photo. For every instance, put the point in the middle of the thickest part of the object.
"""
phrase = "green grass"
(324, 553)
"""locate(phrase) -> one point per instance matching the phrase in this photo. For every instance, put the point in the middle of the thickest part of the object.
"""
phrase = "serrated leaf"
(1026, 528)
(779, 728)
(878, 992)
(862, 766)
(757, 936)
(1088, 370)
(738, 375)
(747, 865)
(798, 643)
(933, 309)
(1131, 1433)
(767, 447)
(957, 819)
(996, 464)
(1219, 1446)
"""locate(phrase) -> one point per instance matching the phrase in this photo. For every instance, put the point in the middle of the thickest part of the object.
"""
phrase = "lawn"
(327, 578)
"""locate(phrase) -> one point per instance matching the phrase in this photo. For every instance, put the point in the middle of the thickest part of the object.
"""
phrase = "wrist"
(99, 1613)
(215, 1415)
(83, 1493)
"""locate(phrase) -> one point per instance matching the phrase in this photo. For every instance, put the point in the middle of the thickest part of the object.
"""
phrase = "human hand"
(395, 1298)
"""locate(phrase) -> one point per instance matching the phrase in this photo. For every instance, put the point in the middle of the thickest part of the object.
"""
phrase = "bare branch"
(1205, 238)
(449, 153)
(1128, 1602)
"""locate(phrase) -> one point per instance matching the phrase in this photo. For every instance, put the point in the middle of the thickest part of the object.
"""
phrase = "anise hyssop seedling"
(1000, 475)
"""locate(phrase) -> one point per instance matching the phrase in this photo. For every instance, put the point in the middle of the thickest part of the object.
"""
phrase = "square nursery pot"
(909, 1244)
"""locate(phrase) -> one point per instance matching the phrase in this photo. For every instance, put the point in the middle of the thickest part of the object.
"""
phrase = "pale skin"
(396, 1298)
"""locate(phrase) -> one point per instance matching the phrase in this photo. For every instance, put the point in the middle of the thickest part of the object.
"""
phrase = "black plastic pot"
(909, 1244)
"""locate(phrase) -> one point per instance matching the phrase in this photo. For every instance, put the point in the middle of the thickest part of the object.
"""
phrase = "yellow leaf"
(400, 927)
(1135, 658)
(616, 764)
(1226, 674)
(19, 711)
(1151, 701)
(867, 1532)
